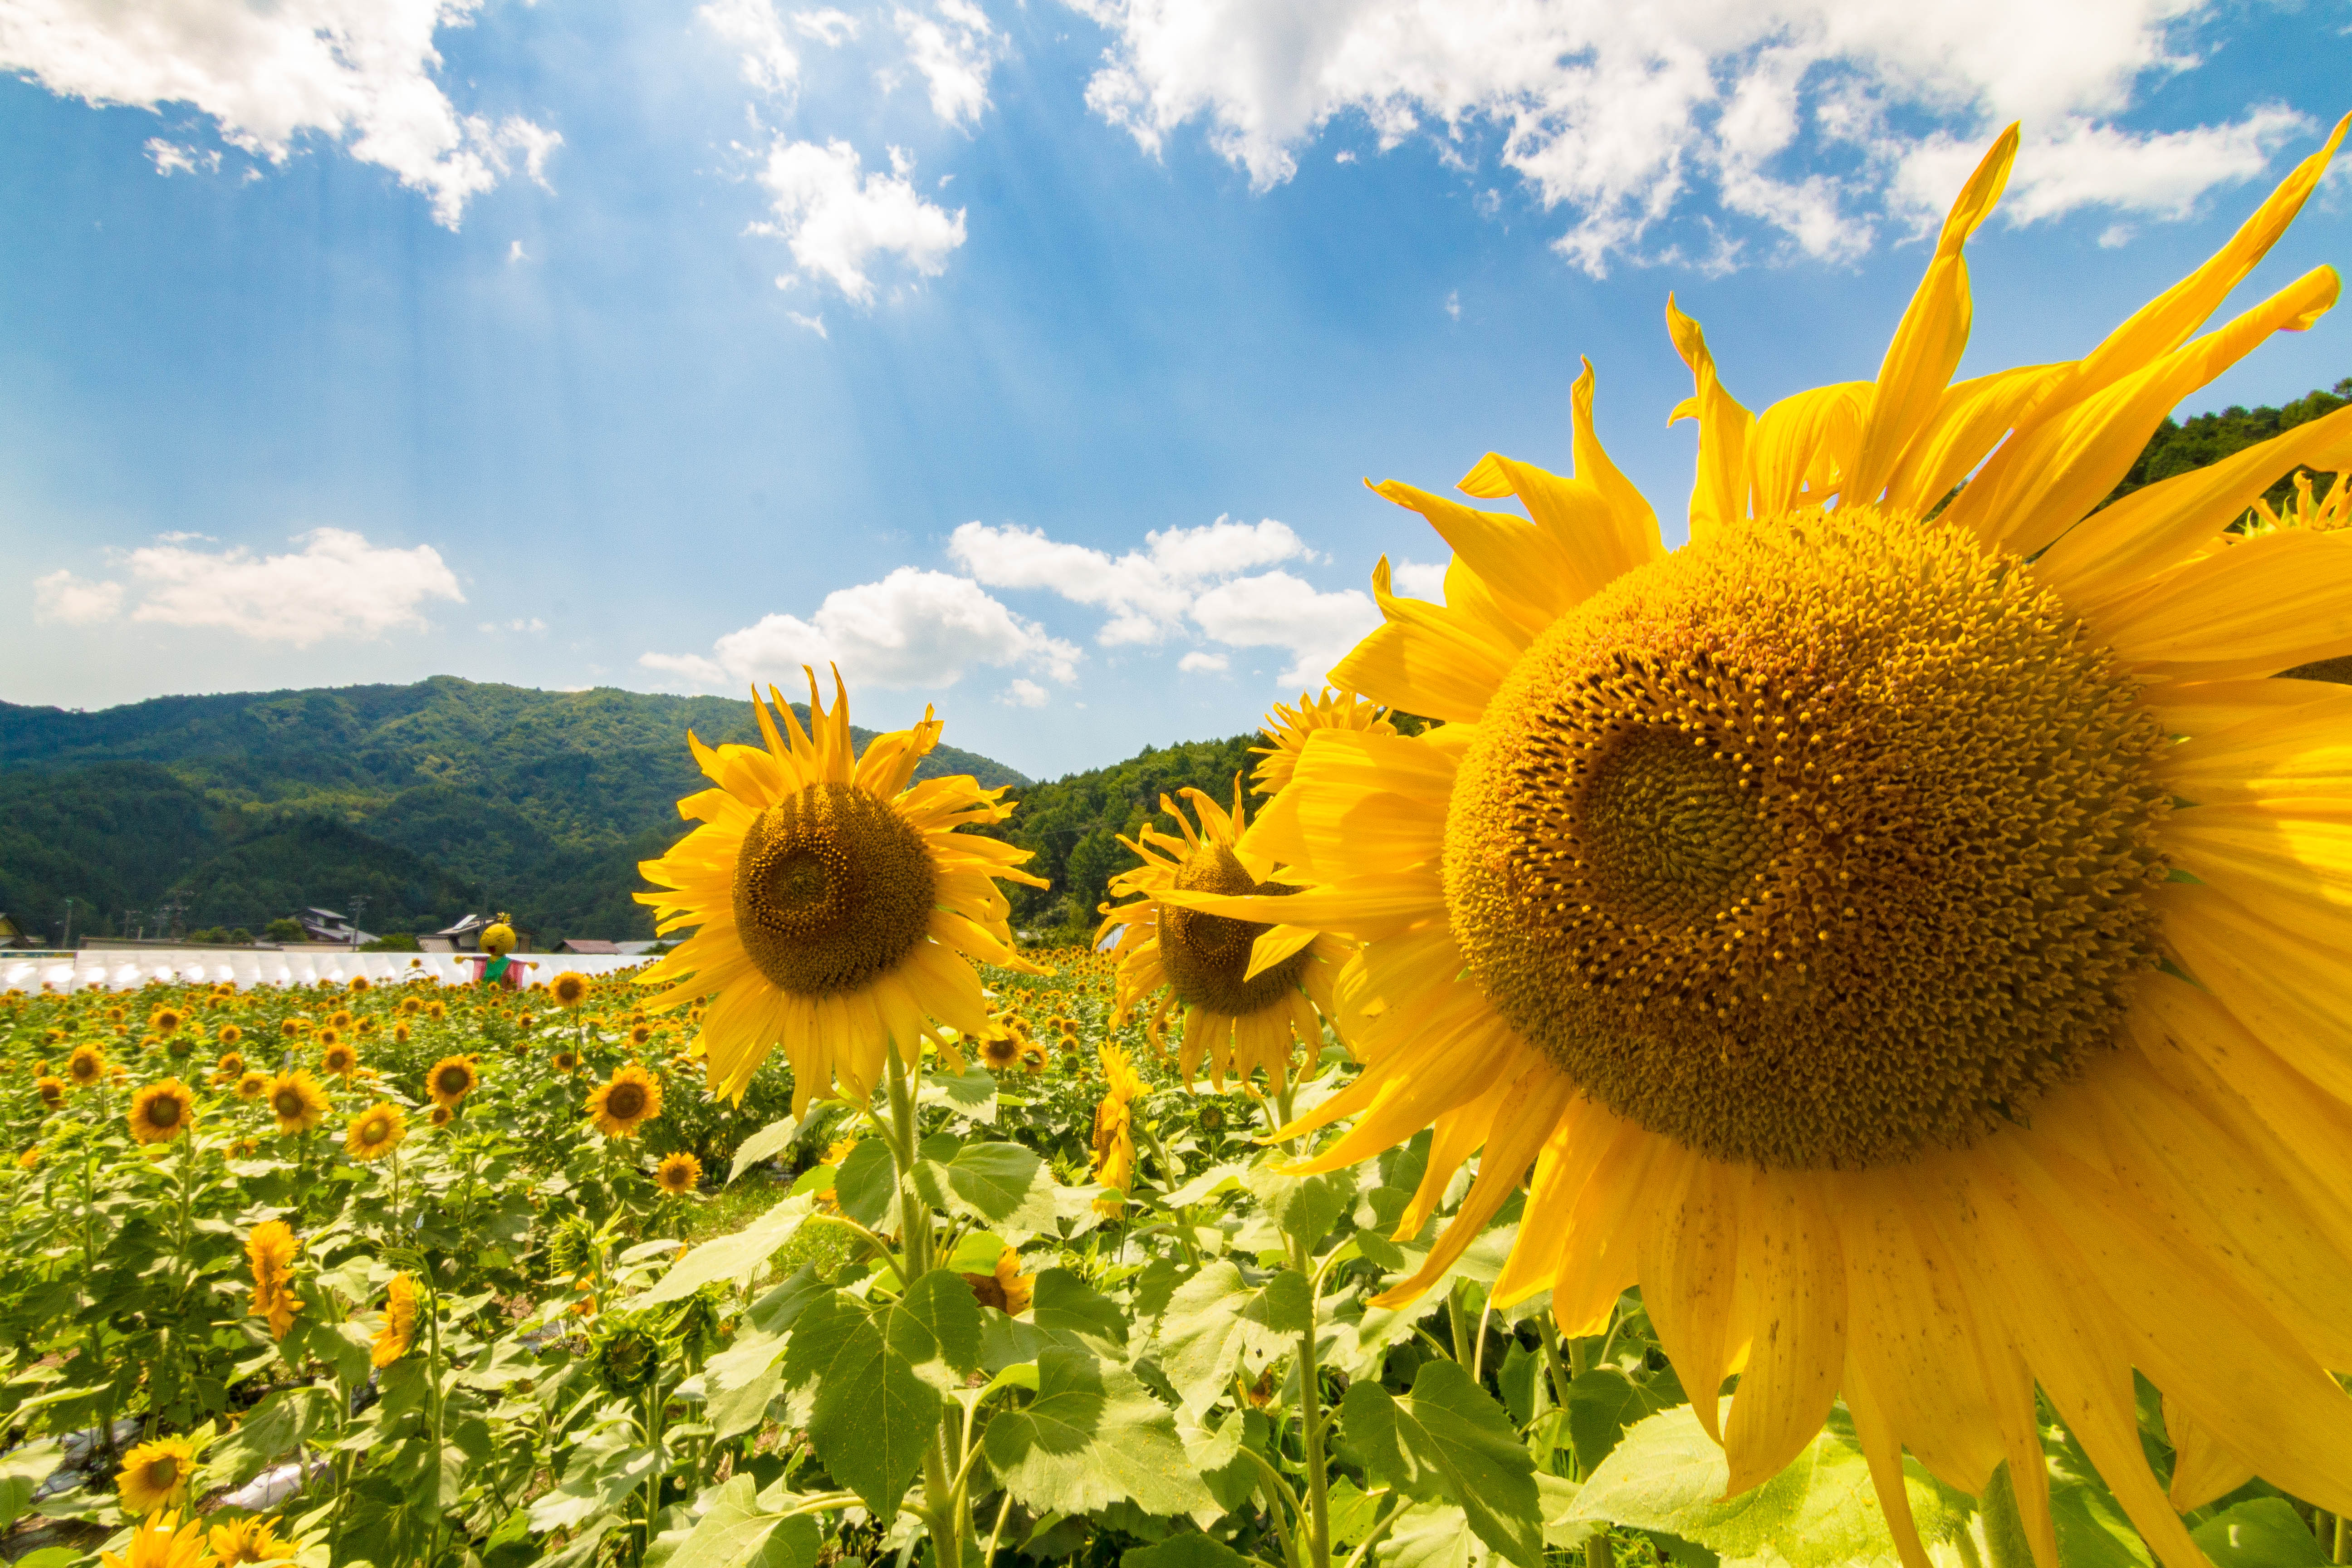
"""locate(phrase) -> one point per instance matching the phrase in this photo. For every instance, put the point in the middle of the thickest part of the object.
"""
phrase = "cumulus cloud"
(1024, 694)
(1276, 609)
(768, 60)
(336, 585)
(1418, 579)
(1198, 662)
(913, 628)
(1628, 115)
(1147, 592)
(65, 600)
(356, 72)
(837, 217)
(955, 46)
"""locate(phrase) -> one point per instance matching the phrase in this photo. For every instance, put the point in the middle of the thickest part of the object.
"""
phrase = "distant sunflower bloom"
(1005, 1287)
(1114, 1149)
(566, 1060)
(161, 1111)
(569, 989)
(410, 1006)
(369, 1026)
(161, 1541)
(290, 1027)
(441, 1116)
(640, 1034)
(451, 1080)
(360, 985)
(1000, 1049)
(52, 1091)
(375, 1131)
(339, 1058)
(399, 1330)
(1905, 937)
(86, 1067)
(435, 1011)
(165, 1021)
(252, 1085)
(629, 1100)
(230, 1068)
(1286, 728)
(400, 1034)
(678, 1174)
(231, 1036)
(1242, 1000)
(340, 1019)
(297, 1100)
(156, 1475)
(250, 1540)
(269, 1251)
(838, 906)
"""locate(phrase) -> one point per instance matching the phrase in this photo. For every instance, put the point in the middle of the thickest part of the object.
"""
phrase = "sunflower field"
(1827, 1044)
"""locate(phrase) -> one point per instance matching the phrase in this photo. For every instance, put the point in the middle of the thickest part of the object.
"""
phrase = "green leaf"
(2261, 1533)
(1189, 1550)
(1216, 1317)
(729, 1256)
(878, 1372)
(766, 1143)
(865, 1181)
(1004, 1185)
(606, 1467)
(976, 1252)
(1431, 1535)
(774, 1313)
(1069, 1311)
(1353, 1513)
(1305, 1207)
(1603, 1402)
(971, 1094)
(1217, 1458)
(1448, 1441)
(736, 1532)
(738, 1383)
(1668, 1474)
(1092, 1437)
(270, 1431)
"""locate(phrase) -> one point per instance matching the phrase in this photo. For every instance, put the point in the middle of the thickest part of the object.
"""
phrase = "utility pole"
(139, 931)
(68, 943)
(359, 907)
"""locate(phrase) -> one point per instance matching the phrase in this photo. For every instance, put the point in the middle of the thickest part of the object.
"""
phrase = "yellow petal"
(1803, 444)
(1719, 499)
(2256, 608)
(1793, 1285)
(1690, 1270)
(1422, 659)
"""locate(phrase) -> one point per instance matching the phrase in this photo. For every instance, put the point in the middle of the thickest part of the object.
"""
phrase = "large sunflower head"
(161, 1111)
(375, 1131)
(1902, 928)
(1243, 1002)
(451, 1079)
(156, 1474)
(251, 1085)
(839, 908)
(1286, 729)
(52, 1091)
(297, 1100)
(625, 1102)
(86, 1066)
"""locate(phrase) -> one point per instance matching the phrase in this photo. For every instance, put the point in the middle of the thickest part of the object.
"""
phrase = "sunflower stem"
(939, 1492)
(1310, 1413)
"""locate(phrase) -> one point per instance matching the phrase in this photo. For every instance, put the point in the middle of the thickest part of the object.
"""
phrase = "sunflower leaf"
(1448, 1441)
(1603, 1402)
(1092, 1437)
(1305, 1207)
(736, 1532)
(865, 1181)
(873, 1412)
(1216, 1319)
(1667, 1475)
(2261, 1533)
(729, 1256)
(766, 1143)
(1003, 1185)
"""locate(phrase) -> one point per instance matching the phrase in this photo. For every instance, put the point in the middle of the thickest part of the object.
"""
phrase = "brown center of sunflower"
(625, 1101)
(452, 1080)
(1206, 955)
(1819, 845)
(289, 1102)
(164, 1110)
(164, 1474)
(833, 886)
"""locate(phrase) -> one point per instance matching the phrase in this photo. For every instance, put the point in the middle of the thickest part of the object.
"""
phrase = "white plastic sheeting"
(127, 969)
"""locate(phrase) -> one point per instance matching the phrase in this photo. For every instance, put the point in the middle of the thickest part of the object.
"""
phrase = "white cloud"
(830, 26)
(954, 48)
(172, 158)
(913, 628)
(336, 585)
(530, 624)
(1024, 694)
(1276, 609)
(357, 72)
(836, 218)
(1147, 591)
(768, 60)
(63, 599)
(1630, 115)
(1418, 579)
(813, 323)
(1197, 662)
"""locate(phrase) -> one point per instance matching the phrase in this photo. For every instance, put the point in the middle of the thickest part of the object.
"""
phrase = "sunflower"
(1000, 1049)
(230, 1068)
(399, 1330)
(1114, 1140)
(230, 1036)
(340, 1019)
(250, 1540)
(1906, 938)
(52, 1091)
(640, 1034)
(270, 1252)
(161, 1542)
(451, 1080)
(290, 1027)
(435, 1011)
(156, 1474)
(1288, 728)
(678, 1174)
(441, 1116)
(359, 984)
(627, 1101)
(86, 1067)
(165, 1021)
(838, 906)
(569, 989)
(400, 1034)
(409, 1008)
(566, 1060)
(161, 1111)
(339, 1058)
(375, 1131)
(297, 1099)
(1006, 1288)
(1241, 1005)
(252, 1085)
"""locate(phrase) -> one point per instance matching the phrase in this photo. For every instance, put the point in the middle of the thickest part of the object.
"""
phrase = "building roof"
(586, 945)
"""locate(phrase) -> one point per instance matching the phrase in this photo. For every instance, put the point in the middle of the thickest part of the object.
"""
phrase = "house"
(330, 926)
(587, 944)
(14, 935)
(466, 936)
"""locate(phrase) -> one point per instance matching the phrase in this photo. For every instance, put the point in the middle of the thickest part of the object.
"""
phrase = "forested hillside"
(428, 800)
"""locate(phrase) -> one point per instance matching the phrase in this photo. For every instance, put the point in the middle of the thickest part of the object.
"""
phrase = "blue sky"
(578, 342)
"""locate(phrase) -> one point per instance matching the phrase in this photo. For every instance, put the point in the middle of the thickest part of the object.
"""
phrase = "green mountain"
(428, 800)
